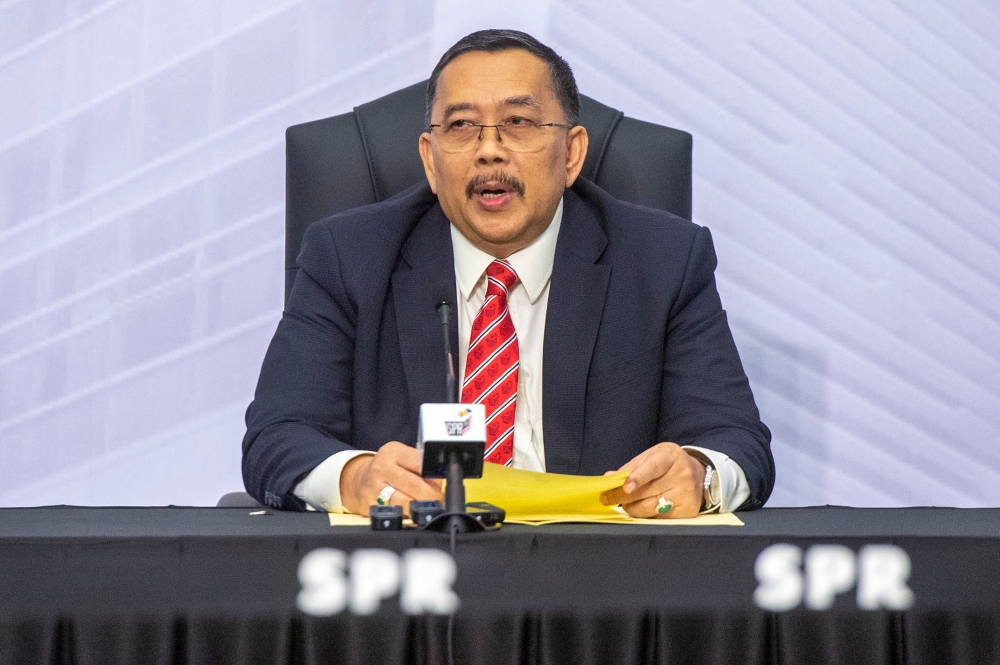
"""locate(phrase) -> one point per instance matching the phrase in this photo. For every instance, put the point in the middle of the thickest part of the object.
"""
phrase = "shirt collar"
(533, 264)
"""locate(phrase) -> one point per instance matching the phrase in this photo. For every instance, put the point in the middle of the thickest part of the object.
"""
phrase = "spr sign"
(332, 581)
(788, 578)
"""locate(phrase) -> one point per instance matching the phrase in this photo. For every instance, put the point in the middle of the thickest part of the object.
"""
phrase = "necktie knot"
(501, 277)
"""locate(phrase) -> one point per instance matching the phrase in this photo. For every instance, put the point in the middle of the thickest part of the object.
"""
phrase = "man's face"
(500, 198)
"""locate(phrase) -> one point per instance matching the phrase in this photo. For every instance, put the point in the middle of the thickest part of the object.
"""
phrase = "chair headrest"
(366, 156)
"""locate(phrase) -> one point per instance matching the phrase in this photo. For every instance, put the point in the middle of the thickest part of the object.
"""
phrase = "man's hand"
(664, 470)
(395, 464)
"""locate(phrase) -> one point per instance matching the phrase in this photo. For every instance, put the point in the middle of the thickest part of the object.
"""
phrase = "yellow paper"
(723, 519)
(534, 498)
(715, 519)
(521, 492)
(349, 519)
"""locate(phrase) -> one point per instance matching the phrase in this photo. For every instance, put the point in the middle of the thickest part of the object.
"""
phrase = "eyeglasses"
(518, 133)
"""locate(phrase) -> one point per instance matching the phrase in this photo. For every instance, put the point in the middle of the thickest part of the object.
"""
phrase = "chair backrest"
(370, 154)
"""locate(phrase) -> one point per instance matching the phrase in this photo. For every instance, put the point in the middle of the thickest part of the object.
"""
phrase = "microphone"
(451, 387)
(451, 438)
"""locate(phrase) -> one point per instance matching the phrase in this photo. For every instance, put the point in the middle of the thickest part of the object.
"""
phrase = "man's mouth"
(494, 192)
(493, 198)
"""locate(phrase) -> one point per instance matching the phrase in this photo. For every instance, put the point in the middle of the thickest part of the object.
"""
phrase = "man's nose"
(490, 148)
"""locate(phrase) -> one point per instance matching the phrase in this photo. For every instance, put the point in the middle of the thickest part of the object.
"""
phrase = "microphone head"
(442, 293)
(444, 309)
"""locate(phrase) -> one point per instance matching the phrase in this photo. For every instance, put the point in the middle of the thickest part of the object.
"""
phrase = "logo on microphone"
(459, 427)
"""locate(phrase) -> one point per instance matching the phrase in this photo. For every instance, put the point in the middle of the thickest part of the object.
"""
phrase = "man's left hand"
(667, 471)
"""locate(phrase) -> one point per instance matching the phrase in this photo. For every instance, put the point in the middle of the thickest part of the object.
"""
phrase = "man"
(590, 328)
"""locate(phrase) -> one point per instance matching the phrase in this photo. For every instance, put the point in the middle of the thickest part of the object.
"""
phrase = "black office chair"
(370, 154)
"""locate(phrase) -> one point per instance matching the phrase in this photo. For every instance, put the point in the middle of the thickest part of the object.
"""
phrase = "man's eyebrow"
(522, 100)
(459, 106)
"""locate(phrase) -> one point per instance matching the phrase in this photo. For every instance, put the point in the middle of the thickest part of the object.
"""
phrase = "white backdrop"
(847, 159)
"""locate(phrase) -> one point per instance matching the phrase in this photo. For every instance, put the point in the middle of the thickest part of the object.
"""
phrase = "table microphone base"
(457, 522)
(456, 518)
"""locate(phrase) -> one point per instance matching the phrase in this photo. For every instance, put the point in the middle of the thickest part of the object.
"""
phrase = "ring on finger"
(385, 495)
(663, 506)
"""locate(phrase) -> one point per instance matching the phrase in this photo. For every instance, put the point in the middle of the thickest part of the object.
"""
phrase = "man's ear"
(427, 157)
(577, 141)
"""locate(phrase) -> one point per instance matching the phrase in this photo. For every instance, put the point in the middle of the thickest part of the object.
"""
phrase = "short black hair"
(494, 41)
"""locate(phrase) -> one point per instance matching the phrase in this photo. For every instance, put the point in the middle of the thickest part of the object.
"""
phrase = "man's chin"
(497, 230)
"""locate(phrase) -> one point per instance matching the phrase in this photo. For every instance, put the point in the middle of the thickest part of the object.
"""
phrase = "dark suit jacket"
(637, 345)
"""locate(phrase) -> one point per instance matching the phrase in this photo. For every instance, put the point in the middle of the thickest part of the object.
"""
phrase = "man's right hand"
(396, 465)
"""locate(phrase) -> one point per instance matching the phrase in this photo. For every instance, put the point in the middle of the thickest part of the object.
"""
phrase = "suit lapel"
(576, 301)
(424, 278)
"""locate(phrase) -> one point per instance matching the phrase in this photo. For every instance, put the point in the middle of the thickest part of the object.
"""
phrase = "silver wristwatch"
(711, 496)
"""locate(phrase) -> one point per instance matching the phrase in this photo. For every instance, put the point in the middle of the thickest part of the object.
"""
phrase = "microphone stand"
(454, 519)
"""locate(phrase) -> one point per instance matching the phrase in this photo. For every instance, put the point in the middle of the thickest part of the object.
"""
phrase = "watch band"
(707, 500)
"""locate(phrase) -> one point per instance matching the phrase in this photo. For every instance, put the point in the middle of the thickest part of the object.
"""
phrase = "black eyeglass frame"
(497, 127)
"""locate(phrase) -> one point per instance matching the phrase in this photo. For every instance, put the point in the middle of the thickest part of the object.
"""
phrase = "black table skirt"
(183, 585)
(623, 637)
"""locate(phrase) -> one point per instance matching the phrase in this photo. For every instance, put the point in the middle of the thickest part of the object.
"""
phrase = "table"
(210, 585)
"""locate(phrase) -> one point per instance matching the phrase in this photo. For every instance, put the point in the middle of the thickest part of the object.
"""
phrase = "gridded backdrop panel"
(846, 158)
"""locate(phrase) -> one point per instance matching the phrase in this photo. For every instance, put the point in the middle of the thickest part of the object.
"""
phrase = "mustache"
(502, 177)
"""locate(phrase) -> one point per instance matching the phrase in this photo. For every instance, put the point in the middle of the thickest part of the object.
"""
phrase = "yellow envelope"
(521, 492)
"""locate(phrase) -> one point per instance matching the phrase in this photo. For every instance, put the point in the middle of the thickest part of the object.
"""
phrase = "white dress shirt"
(527, 303)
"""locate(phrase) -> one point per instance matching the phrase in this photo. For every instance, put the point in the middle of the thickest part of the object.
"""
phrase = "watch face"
(712, 497)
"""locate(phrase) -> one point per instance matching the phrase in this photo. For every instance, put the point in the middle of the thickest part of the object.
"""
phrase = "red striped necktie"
(491, 366)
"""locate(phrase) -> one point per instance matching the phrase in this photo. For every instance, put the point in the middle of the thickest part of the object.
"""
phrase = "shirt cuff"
(321, 488)
(733, 486)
